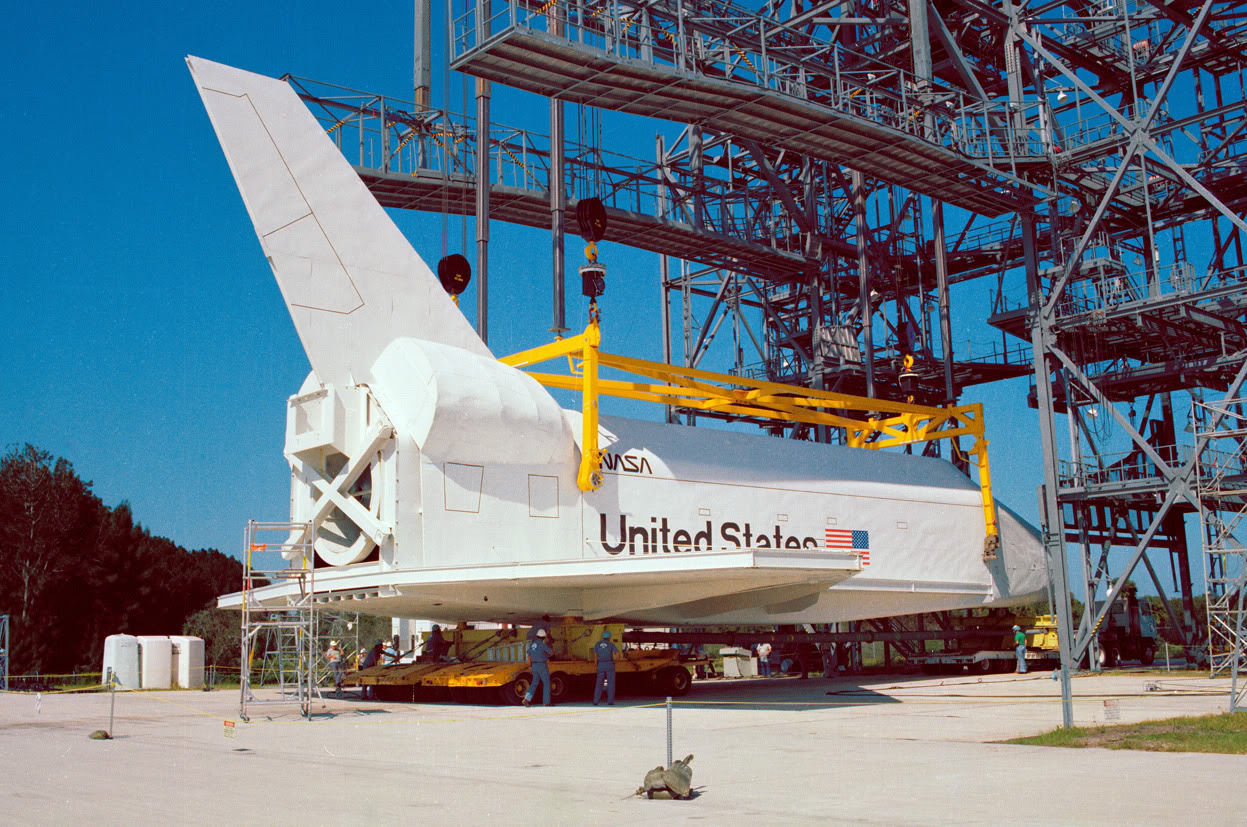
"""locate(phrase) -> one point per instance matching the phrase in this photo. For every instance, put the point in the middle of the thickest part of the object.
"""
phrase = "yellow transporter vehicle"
(491, 664)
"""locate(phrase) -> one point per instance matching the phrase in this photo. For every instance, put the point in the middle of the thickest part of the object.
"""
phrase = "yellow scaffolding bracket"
(886, 424)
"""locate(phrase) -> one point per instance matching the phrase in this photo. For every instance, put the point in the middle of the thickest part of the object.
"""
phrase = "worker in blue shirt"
(605, 653)
(539, 652)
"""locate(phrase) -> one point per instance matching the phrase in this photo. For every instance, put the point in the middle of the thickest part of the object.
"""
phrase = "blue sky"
(145, 339)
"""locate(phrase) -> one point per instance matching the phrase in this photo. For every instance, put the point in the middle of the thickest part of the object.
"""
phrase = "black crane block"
(454, 272)
(592, 280)
(591, 216)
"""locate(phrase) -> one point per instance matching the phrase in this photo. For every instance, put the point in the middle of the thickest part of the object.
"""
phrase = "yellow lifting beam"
(886, 424)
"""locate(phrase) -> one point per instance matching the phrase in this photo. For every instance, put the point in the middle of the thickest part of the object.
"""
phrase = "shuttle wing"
(349, 277)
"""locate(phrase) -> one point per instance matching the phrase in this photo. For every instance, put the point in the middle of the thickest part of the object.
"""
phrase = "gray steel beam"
(964, 70)
(558, 205)
(777, 184)
(863, 282)
(1054, 533)
(482, 209)
(422, 53)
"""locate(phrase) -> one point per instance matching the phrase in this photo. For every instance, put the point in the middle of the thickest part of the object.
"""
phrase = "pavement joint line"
(958, 700)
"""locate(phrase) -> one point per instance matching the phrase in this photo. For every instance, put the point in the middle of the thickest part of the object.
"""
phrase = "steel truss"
(1222, 489)
(854, 161)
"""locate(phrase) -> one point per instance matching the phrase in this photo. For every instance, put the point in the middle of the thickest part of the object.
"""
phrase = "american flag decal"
(853, 540)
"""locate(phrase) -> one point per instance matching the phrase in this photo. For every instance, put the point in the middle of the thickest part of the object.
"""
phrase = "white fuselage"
(441, 483)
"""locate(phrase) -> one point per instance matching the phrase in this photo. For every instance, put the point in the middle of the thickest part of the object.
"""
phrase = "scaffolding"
(1222, 486)
(283, 634)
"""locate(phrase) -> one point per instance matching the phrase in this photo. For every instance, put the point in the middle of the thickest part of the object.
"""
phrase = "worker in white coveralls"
(337, 664)
(1019, 646)
(604, 651)
(539, 652)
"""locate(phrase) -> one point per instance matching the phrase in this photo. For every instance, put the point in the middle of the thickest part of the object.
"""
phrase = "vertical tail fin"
(349, 277)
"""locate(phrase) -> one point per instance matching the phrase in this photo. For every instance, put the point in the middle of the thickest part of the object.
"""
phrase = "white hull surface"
(442, 483)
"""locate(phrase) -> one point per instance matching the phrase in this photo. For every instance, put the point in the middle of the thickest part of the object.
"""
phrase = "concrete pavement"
(889, 750)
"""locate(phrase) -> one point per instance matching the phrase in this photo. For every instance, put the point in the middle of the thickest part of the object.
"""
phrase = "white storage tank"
(121, 656)
(188, 661)
(156, 658)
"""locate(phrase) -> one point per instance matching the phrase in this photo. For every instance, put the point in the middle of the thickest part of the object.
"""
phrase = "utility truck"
(1128, 631)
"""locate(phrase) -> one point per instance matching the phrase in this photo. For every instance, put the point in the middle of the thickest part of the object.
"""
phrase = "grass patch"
(1225, 733)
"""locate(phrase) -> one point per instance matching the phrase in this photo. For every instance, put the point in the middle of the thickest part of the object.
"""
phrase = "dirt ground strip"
(891, 750)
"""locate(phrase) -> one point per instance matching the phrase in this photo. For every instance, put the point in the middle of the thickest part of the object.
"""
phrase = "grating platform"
(431, 191)
(549, 65)
(1122, 314)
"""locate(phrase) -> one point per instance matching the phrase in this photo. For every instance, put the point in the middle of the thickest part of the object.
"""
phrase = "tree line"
(73, 570)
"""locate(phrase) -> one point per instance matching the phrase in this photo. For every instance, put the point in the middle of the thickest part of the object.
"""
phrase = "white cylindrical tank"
(156, 659)
(121, 657)
(188, 661)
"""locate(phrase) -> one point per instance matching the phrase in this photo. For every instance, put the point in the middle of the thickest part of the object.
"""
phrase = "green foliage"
(220, 631)
(73, 571)
(1226, 734)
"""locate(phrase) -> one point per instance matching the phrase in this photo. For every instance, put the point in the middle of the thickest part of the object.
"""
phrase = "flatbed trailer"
(991, 652)
(485, 666)
(983, 661)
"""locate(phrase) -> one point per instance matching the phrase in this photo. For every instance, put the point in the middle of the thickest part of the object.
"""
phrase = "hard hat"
(541, 633)
(1017, 628)
(333, 643)
(606, 633)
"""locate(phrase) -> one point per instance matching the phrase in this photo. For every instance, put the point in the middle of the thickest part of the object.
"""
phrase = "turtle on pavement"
(675, 781)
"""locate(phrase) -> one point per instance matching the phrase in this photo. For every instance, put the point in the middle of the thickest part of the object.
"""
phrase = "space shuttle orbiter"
(442, 482)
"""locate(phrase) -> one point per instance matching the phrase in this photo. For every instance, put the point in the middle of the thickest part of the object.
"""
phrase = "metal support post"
(1175, 523)
(941, 281)
(482, 205)
(1054, 533)
(863, 282)
(664, 275)
(422, 52)
(112, 701)
(668, 731)
(557, 208)
(4, 652)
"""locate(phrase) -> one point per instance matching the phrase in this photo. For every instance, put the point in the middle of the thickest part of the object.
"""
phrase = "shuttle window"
(463, 487)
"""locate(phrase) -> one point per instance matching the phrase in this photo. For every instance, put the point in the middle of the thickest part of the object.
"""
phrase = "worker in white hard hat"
(1019, 646)
(539, 652)
(337, 666)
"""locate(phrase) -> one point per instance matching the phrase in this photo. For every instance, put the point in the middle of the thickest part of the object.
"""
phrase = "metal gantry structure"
(1221, 434)
(830, 174)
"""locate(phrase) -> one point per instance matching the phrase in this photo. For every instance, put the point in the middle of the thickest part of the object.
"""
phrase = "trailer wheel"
(560, 685)
(1148, 656)
(985, 666)
(513, 693)
(674, 680)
